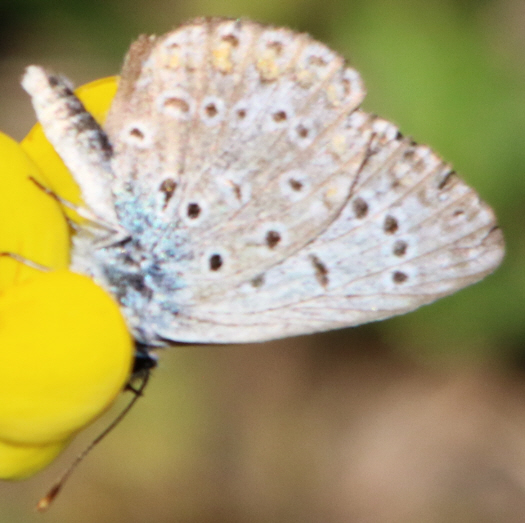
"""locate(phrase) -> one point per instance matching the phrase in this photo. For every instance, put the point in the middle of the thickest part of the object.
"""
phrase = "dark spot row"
(360, 208)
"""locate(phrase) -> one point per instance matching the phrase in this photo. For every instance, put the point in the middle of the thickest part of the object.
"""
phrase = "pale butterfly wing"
(392, 249)
(293, 211)
(231, 128)
(261, 201)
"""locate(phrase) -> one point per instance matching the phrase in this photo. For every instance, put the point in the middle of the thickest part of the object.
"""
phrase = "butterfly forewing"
(244, 128)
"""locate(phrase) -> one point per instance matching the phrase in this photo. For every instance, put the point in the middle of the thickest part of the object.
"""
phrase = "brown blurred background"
(416, 419)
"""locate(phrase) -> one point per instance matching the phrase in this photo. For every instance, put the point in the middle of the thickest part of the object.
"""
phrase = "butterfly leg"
(83, 212)
(25, 261)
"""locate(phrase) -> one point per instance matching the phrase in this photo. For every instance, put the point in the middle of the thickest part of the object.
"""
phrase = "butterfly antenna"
(46, 501)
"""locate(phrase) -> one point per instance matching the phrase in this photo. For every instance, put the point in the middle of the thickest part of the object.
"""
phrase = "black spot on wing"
(321, 271)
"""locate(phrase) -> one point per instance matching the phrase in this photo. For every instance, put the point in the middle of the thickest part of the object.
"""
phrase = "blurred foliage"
(450, 73)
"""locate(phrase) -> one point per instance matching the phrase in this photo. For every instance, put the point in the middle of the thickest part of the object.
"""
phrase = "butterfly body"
(245, 196)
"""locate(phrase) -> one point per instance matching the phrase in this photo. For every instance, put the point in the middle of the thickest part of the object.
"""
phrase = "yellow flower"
(86, 356)
(65, 351)
(31, 222)
(22, 461)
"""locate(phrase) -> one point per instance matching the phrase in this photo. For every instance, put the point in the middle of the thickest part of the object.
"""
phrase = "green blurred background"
(416, 419)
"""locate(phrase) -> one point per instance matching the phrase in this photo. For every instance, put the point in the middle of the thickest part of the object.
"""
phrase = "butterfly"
(237, 192)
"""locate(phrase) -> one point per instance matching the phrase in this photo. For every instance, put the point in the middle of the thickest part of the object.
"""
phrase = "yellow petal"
(65, 354)
(97, 97)
(20, 462)
(32, 223)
